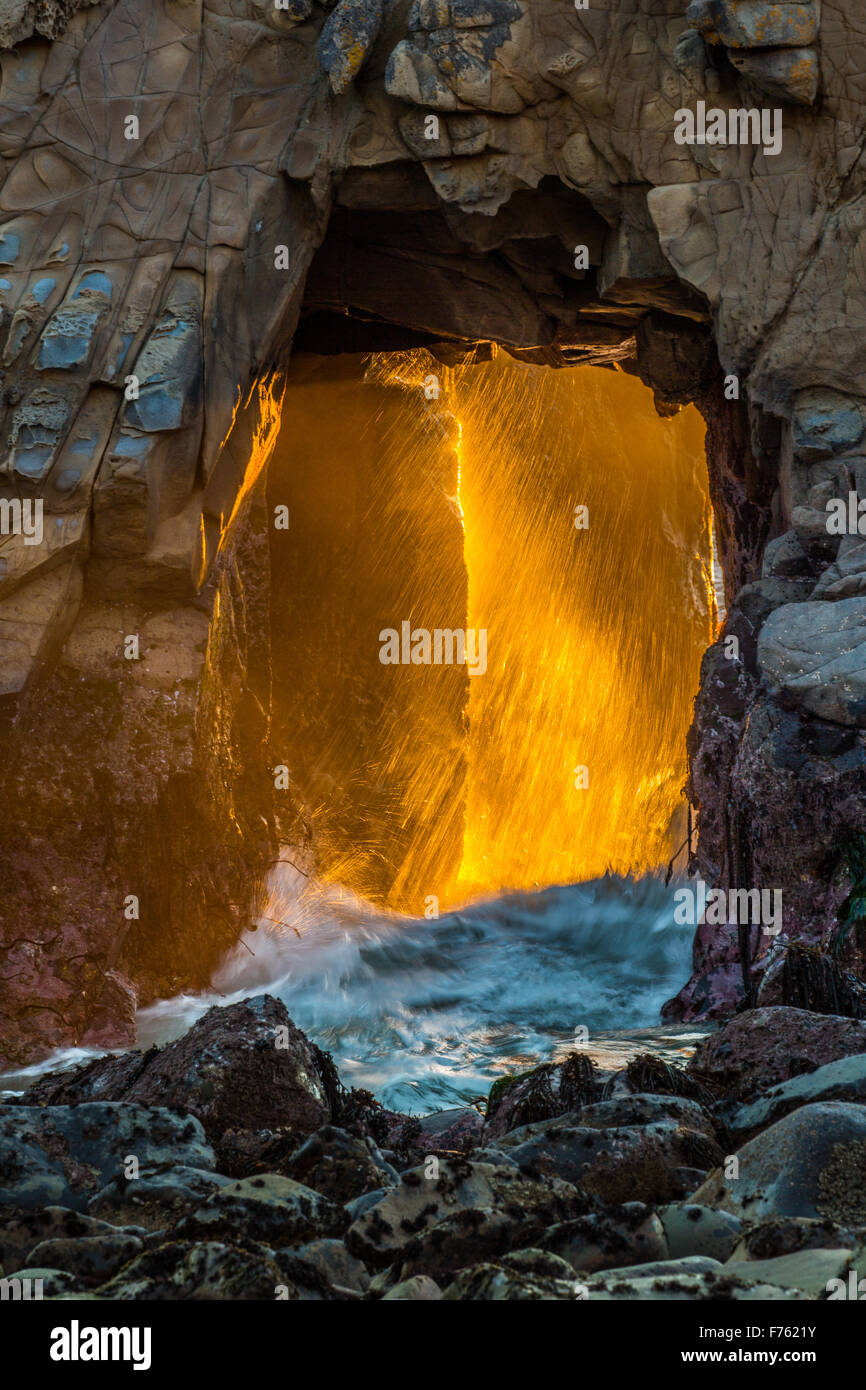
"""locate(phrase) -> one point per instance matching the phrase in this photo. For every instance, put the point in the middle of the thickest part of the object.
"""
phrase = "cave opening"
(548, 526)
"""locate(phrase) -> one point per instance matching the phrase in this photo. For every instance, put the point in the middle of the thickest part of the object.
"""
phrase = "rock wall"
(187, 192)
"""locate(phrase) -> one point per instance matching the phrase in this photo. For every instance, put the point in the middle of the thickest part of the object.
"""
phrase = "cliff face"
(187, 193)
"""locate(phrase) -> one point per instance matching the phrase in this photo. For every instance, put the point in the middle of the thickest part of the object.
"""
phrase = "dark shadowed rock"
(200, 1271)
(332, 1261)
(487, 1198)
(63, 1155)
(785, 1236)
(627, 1235)
(93, 1259)
(527, 1276)
(418, 1289)
(21, 1230)
(696, 1230)
(268, 1208)
(338, 1165)
(245, 1066)
(812, 1163)
(762, 1047)
(541, 1094)
(841, 1080)
(156, 1198)
(620, 1163)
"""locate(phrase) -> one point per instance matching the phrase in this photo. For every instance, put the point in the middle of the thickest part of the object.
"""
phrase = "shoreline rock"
(647, 1194)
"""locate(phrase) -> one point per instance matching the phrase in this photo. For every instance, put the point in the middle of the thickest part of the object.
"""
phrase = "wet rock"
(620, 1163)
(339, 1166)
(206, 1270)
(543, 1093)
(825, 423)
(808, 1270)
(21, 1230)
(418, 1289)
(332, 1261)
(815, 653)
(643, 1109)
(62, 1155)
(245, 1066)
(92, 1259)
(241, 1153)
(527, 1276)
(37, 1281)
(714, 1286)
(772, 1239)
(697, 1230)
(418, 1203)
(156, 1197)
(763, 1047)
(841, 1080)
(267, 1208)
(605, 1240)
(812, 1163)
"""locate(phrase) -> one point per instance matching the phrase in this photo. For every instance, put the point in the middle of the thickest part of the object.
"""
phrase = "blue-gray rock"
(825, 423)
(844, 1079)
(156, 1197)
(696, 1230)
(811, 1163)
(63, 1155)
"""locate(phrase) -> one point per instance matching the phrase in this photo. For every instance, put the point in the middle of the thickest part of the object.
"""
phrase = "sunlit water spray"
(594, 643)
(587, 529)
(427, 1014)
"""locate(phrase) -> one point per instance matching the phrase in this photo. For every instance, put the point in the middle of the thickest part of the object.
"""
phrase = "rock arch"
(186, 194)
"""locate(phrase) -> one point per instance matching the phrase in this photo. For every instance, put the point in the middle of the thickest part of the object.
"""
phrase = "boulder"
(786, 1236)
(242, 1066)
(644, 1109)
(92, 1259)
(763, 1047)
(626, 1235)
(543, 1093)
(418, 1203)
(204, 1270)
(527, 1276)
(339, 1166)
(156, 1198)
(841, 1080)
(697, 1230)
(267, 1208)
(810, 1271)
(620, 1163)
(812, 1163)
(332, 1261)
(815, 653)
(468, 1237)
(21, 1230)
(63, 1155)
